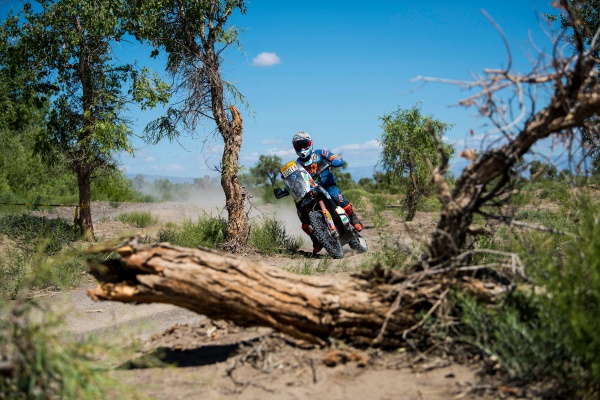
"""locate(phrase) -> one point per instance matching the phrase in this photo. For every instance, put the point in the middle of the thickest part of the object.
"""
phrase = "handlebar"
(280, 193)
(325, 167)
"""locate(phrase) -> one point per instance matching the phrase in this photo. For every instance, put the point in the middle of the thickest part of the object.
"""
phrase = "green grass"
(305, 267)
(30, 232)
(139, 219)
(269, 236)
(523, 198)
(318, 266)
(379, 201)
(358, 198)
(207, 231)
(38, 242)
(429, 204)
(62, 270)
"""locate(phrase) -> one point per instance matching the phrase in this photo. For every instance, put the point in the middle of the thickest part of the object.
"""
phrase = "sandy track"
(292, 372)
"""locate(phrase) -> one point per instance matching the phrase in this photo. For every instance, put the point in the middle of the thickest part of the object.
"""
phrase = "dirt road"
(220, 361)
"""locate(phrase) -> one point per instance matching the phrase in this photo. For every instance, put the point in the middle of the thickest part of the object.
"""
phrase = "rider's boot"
(317, 247)
(353, 218)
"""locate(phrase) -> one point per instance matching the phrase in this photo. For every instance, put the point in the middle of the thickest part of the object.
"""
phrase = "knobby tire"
(321, 232)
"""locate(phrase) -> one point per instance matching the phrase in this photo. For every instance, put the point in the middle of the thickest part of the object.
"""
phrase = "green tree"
(409, 141)
(535, 168)
(366, 183)
(543, 170)
(194, 35)
(19, 107)
(343, 178)
(68, 45)
(266, 169)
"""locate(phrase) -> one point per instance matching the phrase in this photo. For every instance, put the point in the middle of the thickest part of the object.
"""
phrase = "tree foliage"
(266, 170)
(66, 47)
(409, 142)
(544, 170)
(343, 178)
(194, 35)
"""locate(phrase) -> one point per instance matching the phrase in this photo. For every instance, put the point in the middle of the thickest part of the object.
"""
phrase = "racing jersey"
(311, 164)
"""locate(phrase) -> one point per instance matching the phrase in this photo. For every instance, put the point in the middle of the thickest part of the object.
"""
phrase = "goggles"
(303, 145)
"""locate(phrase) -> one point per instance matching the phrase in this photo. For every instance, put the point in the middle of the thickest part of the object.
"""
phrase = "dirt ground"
(200, 358)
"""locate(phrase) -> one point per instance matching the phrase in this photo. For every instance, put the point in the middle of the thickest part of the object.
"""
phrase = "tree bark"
(362, 310)
(237, 229)
(412, 197)
(231, 132)
(85, 212)
(83, 160)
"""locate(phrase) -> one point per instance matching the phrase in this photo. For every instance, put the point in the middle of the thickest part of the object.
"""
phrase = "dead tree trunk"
(576, 99)
(362, 310)
(237, 224)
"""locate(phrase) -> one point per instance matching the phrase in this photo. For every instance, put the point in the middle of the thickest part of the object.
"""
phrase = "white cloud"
(358, 147)
(360, 154)
(266, 59)
(150, 159)
(285, 154)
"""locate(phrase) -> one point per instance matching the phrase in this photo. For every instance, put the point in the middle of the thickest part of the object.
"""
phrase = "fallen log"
(363, 309)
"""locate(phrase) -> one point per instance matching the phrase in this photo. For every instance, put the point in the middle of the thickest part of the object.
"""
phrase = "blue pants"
(337, 195)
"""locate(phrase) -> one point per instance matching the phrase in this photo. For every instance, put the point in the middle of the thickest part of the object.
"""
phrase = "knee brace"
(349, 209)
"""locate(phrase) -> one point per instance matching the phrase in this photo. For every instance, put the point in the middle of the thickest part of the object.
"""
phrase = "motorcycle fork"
(328, 218)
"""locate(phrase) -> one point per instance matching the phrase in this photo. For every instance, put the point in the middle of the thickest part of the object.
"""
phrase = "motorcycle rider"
(311, 159)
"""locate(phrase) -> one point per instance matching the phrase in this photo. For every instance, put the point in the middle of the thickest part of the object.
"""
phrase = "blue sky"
(332, 68)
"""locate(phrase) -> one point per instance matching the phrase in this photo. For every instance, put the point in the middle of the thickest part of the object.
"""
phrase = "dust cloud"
(177, 202)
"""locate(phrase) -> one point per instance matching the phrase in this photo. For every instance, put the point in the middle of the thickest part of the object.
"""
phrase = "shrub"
(516, 335)
(556, 191)
(270, 236)
(207, 231)
(63, 270)
(379, 201)
(573, 279)
(46, 364)
(549, 330)
(30, 232)
(429, 204)
(139, 219)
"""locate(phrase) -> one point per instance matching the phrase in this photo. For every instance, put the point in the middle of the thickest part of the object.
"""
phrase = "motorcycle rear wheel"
(324, 236)
(359, 243)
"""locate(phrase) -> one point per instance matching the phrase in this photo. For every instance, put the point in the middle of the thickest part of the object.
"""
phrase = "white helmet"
(303, 144)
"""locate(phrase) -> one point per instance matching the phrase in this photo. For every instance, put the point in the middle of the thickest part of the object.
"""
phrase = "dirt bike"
(330, 223)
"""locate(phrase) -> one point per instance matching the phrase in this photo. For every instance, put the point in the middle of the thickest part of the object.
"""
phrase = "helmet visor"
(302, 145)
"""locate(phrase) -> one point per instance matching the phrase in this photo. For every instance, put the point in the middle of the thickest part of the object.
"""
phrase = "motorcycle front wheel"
(324, 236)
